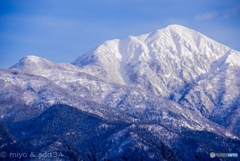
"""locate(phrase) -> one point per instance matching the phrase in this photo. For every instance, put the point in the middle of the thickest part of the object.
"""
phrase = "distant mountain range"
(172, 94)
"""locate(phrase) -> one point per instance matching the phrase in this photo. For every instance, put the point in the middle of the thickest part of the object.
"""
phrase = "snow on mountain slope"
(119, 101)
(80, 83)
(217, 97)
(164, 60)
(24, 96)
(42, 67)
(91, 88)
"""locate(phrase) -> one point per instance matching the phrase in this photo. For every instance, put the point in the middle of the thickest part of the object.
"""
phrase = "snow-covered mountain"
(177, 63)
(165, 60)
(174, 85)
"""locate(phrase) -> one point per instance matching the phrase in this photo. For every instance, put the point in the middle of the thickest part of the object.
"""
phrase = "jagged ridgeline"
(172, 94)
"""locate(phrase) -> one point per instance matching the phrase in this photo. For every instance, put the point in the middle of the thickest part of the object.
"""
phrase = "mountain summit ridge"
(175, 53)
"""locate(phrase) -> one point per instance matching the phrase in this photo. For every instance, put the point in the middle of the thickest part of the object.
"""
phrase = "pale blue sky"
(62, 30)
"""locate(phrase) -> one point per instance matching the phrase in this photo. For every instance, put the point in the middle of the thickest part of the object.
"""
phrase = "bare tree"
(165, 152)
(92, 155)
(199, 157)
(71, 153)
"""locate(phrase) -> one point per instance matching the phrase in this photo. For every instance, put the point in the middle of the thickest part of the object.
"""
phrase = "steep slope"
(217, 97)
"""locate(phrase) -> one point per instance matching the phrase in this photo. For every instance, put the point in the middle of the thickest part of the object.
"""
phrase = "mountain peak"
(175, 53)
(175, 26)
(30, 62)
(32, 58)
(180, 29)
(42, 67)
